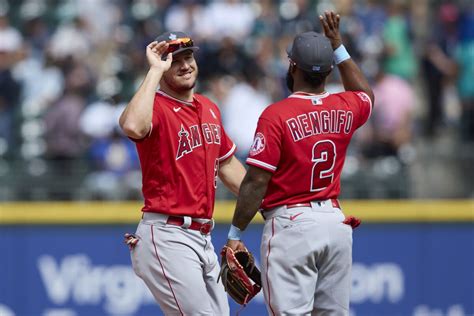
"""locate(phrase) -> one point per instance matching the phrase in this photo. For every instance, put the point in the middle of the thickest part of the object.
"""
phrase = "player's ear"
(292, 67)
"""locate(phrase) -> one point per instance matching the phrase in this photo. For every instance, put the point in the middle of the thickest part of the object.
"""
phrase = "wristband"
(341, 54)
(234, 233)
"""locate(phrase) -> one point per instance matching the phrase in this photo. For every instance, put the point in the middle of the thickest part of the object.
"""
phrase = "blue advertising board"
(71, 270)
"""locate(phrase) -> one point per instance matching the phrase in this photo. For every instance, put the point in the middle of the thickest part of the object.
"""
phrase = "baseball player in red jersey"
(295, 167)
(183, 148)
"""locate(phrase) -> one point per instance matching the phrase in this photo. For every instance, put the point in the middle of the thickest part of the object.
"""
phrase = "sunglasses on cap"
(179, 43)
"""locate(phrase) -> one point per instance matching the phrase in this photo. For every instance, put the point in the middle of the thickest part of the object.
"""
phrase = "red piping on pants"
(163, 269)
(268, 255)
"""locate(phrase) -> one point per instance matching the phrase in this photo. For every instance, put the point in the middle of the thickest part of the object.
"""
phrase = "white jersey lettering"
(195, 136)
(191, 139)
(207, 133)
(295, 129)
(216, 132)
(320, 122)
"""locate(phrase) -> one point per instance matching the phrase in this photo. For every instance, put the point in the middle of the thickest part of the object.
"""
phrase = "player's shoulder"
(274, 110)
(275, 106)
(290, 105)
(162, 98)
(160, 102)
(207, 103)
(352, 96)
(205, 100)
(202, 98)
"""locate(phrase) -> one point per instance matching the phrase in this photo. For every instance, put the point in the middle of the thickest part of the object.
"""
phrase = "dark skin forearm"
(352, 77)
(252, 191)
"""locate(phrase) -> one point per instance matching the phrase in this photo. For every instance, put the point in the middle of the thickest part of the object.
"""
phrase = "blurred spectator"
(113, 160)
(227, 18)
(438, 64)
(366, 32)
(64, 139)
(400, 58)
(242, 108)
(227, 59)
(42, 81)
(465, 59)
(36, 35)
(72, 40)
(10, 39)
(391, 124)
(99, 119)
(57, 57)
(218, 87)
(187, 15)
(299, 16)
(267, 22)
(385, 143)
(372, 16)
(10, 44)
(114, 174)
(9, 96)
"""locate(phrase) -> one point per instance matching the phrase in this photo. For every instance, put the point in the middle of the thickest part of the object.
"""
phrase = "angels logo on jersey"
(184, 145)
(190, 137)
(258, 144)
(364, 97)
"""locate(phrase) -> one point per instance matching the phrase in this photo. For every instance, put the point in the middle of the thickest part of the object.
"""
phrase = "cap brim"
(194, 48)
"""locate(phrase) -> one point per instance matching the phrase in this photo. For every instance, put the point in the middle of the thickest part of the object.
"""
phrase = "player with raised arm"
(183, 148)
(294, 179)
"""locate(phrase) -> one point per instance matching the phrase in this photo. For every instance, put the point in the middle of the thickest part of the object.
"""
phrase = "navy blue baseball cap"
(178, 42)
(312, 52)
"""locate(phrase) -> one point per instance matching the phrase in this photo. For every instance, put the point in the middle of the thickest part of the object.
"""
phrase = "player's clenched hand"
(154, 51)
(330, 23)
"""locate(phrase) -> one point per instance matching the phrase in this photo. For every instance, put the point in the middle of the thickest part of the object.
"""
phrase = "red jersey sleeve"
(227, 148)
(155, 116)
(266, 148)
(154, 121)
(360, 104)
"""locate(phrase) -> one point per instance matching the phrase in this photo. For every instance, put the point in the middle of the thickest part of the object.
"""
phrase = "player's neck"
(186, 96)
(301, 86)
(308, 90)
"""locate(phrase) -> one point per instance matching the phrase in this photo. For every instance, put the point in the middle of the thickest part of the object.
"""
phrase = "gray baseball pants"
(306, 255)
(180, 268)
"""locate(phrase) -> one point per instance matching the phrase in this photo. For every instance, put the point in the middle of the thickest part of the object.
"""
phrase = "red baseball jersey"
(303, 140)
(180, 157)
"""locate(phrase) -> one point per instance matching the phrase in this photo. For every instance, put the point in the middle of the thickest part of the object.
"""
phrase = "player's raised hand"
(330, 24)
(154, 51)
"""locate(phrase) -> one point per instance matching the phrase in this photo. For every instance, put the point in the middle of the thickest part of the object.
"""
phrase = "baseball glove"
(239, 275)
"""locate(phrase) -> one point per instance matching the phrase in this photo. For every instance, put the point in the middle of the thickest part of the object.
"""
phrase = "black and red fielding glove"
(239, 275)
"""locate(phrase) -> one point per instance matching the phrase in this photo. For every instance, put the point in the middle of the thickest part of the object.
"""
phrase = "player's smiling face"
(183, 72)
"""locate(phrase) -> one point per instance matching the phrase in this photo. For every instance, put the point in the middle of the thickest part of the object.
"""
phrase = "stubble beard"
(181, 87)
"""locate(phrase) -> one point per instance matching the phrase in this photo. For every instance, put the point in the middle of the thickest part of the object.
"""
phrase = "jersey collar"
(173, 98)
(306, 95)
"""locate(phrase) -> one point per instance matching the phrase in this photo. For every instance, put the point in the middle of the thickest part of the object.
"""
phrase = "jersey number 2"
(324, 159)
